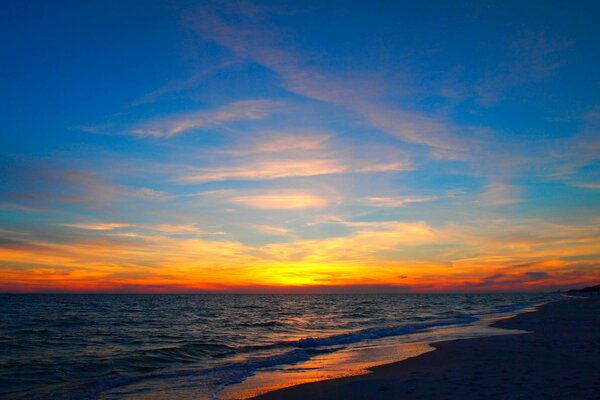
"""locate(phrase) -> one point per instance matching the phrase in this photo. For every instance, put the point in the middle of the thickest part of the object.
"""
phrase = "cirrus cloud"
(281, 200)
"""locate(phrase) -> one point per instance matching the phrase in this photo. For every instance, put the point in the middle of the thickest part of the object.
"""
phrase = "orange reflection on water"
(339, 364)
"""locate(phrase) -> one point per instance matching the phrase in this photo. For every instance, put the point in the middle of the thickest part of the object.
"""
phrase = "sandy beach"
(558, 359)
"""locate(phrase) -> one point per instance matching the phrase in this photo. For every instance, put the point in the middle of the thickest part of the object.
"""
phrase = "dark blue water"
(89, 346)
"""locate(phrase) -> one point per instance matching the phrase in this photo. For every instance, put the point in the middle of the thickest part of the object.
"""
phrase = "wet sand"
(558, 359)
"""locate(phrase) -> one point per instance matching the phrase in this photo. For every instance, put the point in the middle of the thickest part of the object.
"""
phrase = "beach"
(558, 358)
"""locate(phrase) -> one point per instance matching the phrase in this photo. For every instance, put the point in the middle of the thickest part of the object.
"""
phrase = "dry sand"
(559, 359)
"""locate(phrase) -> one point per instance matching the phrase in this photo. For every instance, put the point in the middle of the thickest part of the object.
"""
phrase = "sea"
(154, 346)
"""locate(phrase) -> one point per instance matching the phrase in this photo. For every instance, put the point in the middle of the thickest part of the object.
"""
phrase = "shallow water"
(156, 346)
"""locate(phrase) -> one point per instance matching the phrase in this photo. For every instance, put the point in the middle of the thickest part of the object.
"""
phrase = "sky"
(305, 147)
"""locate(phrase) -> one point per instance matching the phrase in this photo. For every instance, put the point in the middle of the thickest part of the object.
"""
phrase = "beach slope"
(559, 359)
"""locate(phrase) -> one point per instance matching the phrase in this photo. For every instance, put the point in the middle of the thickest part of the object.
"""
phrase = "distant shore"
(559, 359)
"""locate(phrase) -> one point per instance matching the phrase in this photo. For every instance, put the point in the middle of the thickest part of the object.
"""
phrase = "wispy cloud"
(587, 185)
(366, 244)
(275, 169)
(499, 194)
(272, 230)
(296, 141)
(179, 229)
(98, 226)
(275, 143)
(19, 207)
(127, 229)
(383, 167)
(274, 155)
(35, 182)
(241, 110)
(181, 85)
(264, 170)
(281, 200)
(397, 201)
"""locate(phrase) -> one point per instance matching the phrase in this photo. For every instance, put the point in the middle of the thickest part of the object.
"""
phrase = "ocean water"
(145, 346)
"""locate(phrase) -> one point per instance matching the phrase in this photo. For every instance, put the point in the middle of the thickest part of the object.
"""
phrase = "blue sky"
(429, 146)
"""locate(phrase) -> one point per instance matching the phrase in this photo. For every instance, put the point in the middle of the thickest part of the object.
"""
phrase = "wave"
(378, 333)
(217, 377)
(511, 308)
(236, 372)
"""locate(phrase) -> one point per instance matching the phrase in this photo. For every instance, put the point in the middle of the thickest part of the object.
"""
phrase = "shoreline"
(360, 360)
(512, 365)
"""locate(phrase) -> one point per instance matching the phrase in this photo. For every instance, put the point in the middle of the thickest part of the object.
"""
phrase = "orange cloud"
(410, 256)
(98, 227)
(284, 200)
(271, 169)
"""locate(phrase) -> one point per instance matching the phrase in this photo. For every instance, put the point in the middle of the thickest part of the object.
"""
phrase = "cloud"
(241, 110)
(272, 143)
(172, 228)
(276, 169)
(415, 128)
(30, 183)
(264, 170)
(275, 142)
(274, 155)
(271, 230)
(587, 185)
(176, 229)
(281, 200)
(182, 85)
(19, 207)
(499, 194)
(367, 245)
(397, 201)
(384, 167)
(510, 279)
(107, 261)
(534, 275)
(98, 226)
(152, 194)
